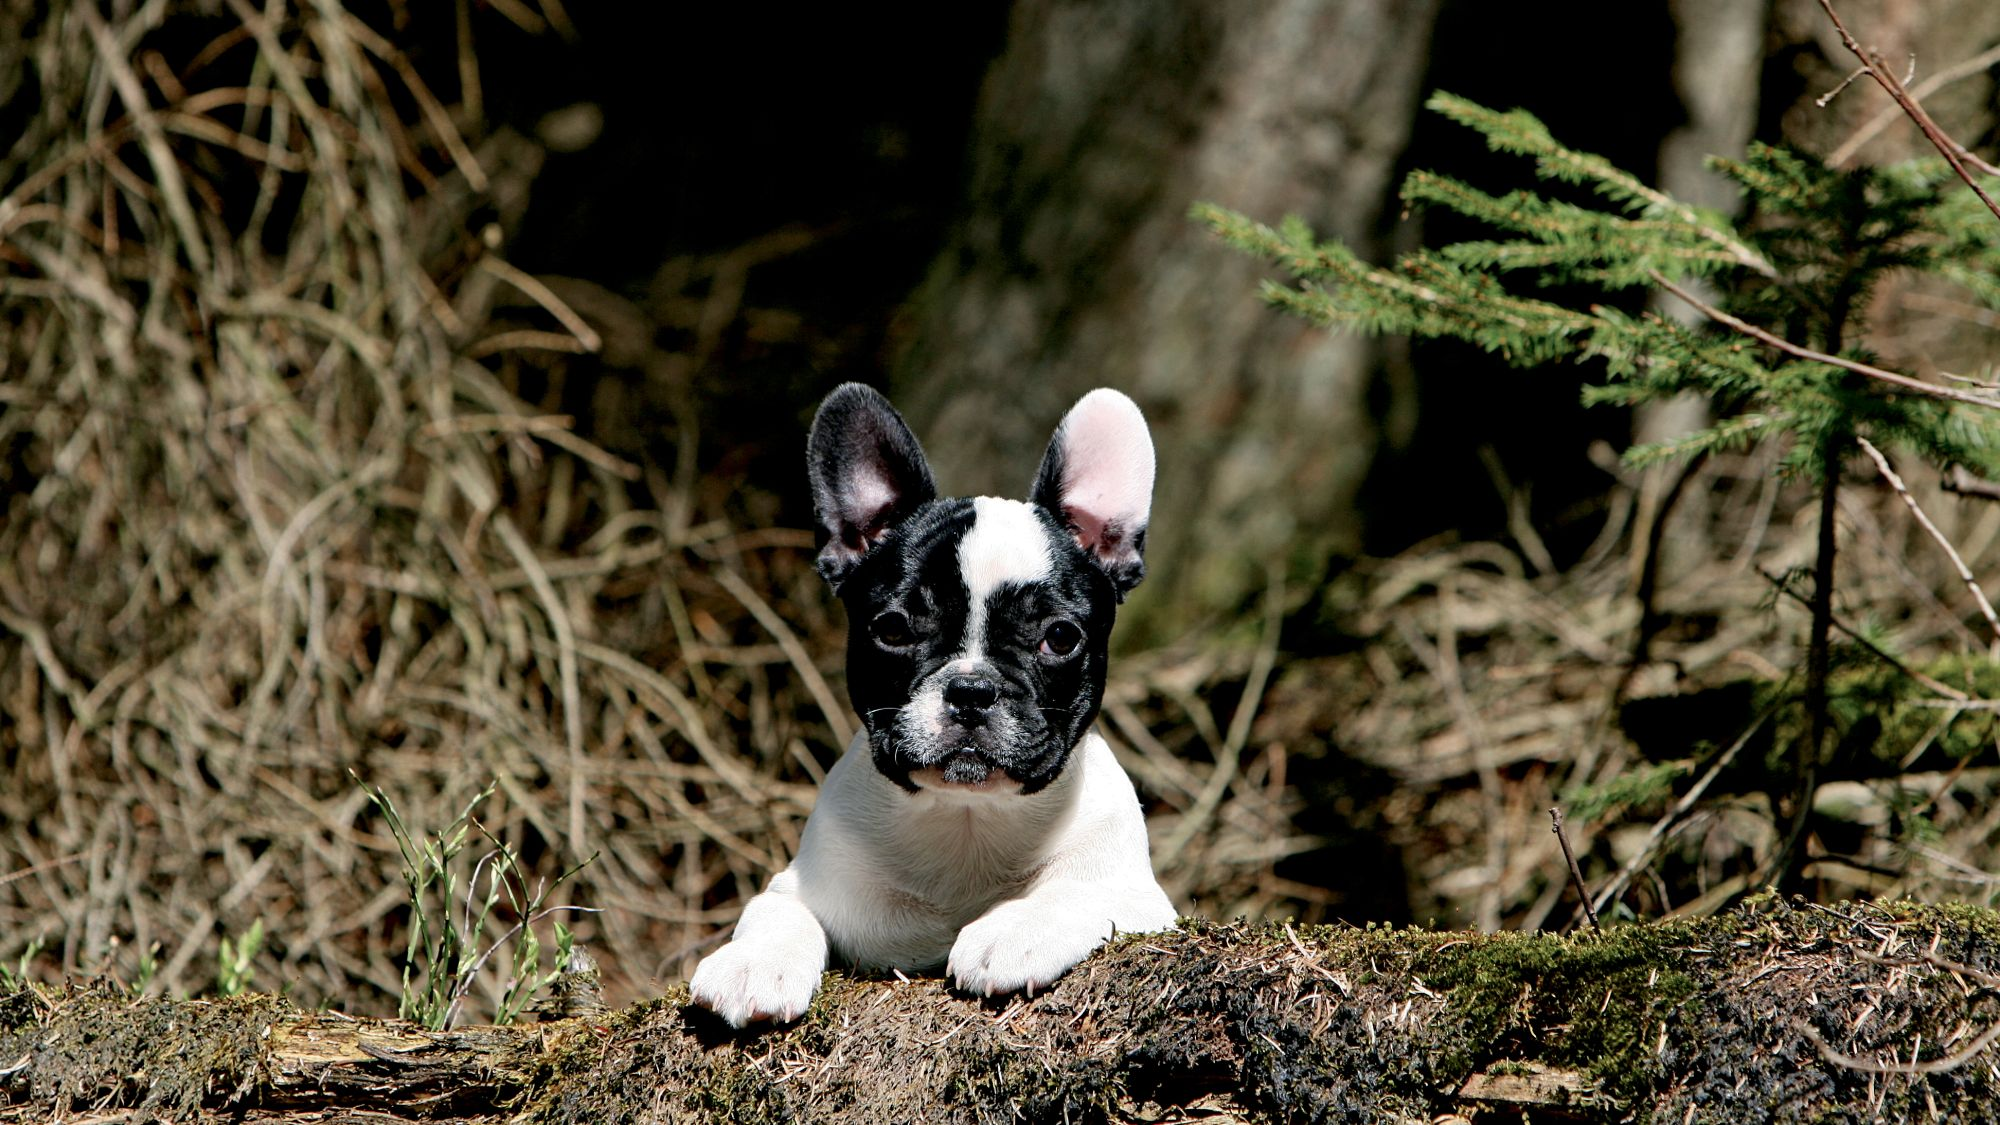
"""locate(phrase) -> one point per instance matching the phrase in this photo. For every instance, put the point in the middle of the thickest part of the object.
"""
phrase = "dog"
(976, 822)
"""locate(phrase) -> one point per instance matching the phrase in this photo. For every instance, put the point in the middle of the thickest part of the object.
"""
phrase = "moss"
(1594, 1003)
(649, 1062)
(20, 1009)
(168, 1056)
(1977, 921)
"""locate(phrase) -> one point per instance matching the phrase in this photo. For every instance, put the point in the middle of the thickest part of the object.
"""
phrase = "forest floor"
(1774, 1011)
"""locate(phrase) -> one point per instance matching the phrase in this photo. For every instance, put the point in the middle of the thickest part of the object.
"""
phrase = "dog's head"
(977, 627)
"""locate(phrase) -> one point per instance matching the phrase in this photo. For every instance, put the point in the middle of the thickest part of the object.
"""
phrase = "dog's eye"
(1061, 638)
(893, 630)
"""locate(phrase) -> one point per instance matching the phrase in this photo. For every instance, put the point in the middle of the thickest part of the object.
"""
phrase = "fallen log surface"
(1774, 1012)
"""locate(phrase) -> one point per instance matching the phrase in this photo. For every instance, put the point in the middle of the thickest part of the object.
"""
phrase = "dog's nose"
(969, 697)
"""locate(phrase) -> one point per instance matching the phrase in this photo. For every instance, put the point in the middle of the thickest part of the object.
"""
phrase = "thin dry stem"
(1954, 153)
(1893, 378)
(1958, 564)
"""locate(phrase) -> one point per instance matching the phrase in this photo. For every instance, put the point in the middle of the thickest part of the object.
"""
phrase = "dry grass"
(1490, 693)
(274, 514)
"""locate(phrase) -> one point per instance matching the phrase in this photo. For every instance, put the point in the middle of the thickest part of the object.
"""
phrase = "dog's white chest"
(894, 876)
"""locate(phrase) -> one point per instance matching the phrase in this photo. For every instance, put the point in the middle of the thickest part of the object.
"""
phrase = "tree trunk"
(1718, 65)
(1074, 265)
(1772, 1013)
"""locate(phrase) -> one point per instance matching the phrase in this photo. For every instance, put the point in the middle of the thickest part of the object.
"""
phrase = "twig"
(1931, 682)
(683, 712)
(556, 429)
(1640, 858)
(542, 295)
(566, 659)
(1897, 379)
(1964, 311)
(1230, 753)
(37, 637)
(1871, 62)
(1934, 1066)
(1965, 484)
(435, 114)
(1491, 792)
(153, 138)
(1519, 525)
(1964, 572)
(1828, 97)
(1646, 589)
(1977, 64)
(1932, 960)
(1575, 872)
(788, 642)
(38, 868)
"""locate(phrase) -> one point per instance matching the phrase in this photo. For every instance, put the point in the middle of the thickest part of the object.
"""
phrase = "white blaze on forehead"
(1007, 543)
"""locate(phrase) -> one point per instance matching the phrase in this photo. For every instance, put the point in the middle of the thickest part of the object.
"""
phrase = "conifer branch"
(1871, 61)
(1572, 238)
(1520, 133)
(1894, 378)
(1730, 433)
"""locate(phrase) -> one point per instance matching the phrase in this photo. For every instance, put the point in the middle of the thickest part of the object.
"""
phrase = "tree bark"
(1771, 1013)
(1075, 266)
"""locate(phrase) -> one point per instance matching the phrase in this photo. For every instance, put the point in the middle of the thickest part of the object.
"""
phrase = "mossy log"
(1773, 1012)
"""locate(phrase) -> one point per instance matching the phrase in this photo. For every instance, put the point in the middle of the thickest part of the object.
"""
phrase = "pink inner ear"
(1107, 466)
(867, 497)
(1089, 529)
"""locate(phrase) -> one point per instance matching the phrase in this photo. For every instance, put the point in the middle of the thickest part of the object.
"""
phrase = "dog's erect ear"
(1097, 477)
(868, 473)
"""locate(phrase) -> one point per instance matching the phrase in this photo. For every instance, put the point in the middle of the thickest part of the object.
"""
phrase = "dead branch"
(1893, 378)
(1575, 873)
(1931, 529)
(1965, 484)
(1954, 153)
(1977, 64)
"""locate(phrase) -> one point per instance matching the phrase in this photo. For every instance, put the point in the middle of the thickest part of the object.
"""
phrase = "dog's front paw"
(1017, 946)
(744, 981)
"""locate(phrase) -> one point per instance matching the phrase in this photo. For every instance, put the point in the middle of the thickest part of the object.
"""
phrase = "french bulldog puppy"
(977, 822)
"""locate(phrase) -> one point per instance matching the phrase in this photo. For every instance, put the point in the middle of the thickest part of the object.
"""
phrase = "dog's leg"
(1026, 943)
(771, 967)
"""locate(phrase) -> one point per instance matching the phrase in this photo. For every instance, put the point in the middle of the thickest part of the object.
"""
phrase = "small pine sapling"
(1780, 356)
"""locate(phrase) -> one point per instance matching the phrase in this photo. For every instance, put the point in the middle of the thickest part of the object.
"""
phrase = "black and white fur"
(977, 822)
